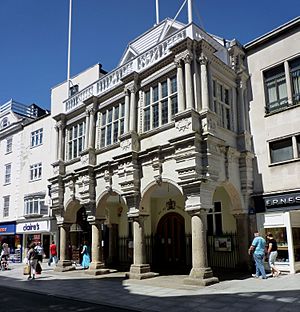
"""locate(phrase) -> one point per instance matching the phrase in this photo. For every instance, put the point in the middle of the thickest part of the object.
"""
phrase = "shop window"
(296, 241)
(279, 234)
(281, 150)
(214, 220)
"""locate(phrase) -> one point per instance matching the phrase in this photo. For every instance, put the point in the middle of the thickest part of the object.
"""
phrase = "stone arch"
(235, 197)
(72, 206)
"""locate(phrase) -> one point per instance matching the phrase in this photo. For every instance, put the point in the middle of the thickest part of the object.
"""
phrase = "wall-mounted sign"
(223, 243)
(33, 227)
(7, 229)
(286, 200)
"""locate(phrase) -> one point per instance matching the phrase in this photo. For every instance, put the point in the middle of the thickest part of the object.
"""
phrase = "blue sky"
(34, 35)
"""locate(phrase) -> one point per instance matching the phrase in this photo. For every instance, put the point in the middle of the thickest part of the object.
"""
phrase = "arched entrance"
(171, 243)
(79, 232)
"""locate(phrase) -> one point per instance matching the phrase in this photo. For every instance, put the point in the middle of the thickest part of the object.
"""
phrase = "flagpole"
(157, 12)
(69, 46)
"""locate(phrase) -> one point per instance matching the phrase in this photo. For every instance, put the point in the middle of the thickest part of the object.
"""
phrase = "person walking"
(85, 256)
(257, 249)
(53, 254)
(32, 257)
(272, 254)
(40, 254)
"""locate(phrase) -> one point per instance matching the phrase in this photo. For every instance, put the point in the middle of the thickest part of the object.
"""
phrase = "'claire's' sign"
(286, 200)
(27, 227)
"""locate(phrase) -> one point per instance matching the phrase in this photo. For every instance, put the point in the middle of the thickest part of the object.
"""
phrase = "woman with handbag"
(32, 257)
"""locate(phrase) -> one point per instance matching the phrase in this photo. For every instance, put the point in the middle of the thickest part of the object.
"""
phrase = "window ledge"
(283, 109)
(37, 145)
(7, 183)
(284, 162)
(34, 180)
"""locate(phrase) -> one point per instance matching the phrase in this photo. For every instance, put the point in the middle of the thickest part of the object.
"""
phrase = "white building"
(26, 158)
(153, 151)
(274, 65)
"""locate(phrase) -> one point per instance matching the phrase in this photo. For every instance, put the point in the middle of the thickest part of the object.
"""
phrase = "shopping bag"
(26, 269)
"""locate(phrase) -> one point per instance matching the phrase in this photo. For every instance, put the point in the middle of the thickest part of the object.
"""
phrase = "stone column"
(242, 224)
(63, 264)
(97, 265)
(127, 115)
(132, 108)
(60, 127)
(180, 86)
(92, 128)
(87, 122)
(188, 81)
(204, 83)
(241, 106)
(200, 273)
(139, 269)
(57, 152)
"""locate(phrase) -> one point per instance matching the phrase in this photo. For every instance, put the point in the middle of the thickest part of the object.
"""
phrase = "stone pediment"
(150, 38)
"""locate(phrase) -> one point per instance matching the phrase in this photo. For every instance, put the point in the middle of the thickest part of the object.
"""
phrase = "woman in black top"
(272, 254)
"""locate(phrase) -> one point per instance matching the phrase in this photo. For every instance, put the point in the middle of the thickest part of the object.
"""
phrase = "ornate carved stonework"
(125, 145)
(84, 159)
(183, 125)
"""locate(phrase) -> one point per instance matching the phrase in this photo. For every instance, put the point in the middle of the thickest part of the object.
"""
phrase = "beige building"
(274, 66)
(153, 154)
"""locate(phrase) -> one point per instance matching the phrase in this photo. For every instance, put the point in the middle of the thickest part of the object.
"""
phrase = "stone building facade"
(159, 147)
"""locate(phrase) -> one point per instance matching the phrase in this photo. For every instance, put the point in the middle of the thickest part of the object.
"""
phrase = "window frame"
(222, 104)
(6, 205)
(75, 140)
(9, 142)
(160, 103)
(111, 123)
(34, 205)
(7, 173)
(36, 138)
(35, 172)
(216, 229)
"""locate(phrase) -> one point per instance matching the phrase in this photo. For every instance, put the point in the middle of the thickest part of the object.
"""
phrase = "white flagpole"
(69, 46)
(157, 12)
(190, 11)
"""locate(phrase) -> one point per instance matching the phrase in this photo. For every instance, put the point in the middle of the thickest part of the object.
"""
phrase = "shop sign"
(29, 227)
(285, 200)
(6, 229)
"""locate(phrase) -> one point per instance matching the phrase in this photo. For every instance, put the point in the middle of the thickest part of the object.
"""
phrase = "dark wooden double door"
(171, 251)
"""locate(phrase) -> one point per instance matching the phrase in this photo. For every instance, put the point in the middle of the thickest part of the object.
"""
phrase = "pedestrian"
(272, 254)
(40, 251)
(32, 257)
(53, 254)
(257, 249)
(85, 256)
(40, 255)
(4, 256)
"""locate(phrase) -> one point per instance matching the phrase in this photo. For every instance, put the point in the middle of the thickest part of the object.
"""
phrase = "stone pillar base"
(64, 266)
(140, 271)
(201, 277)
(97, 268)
